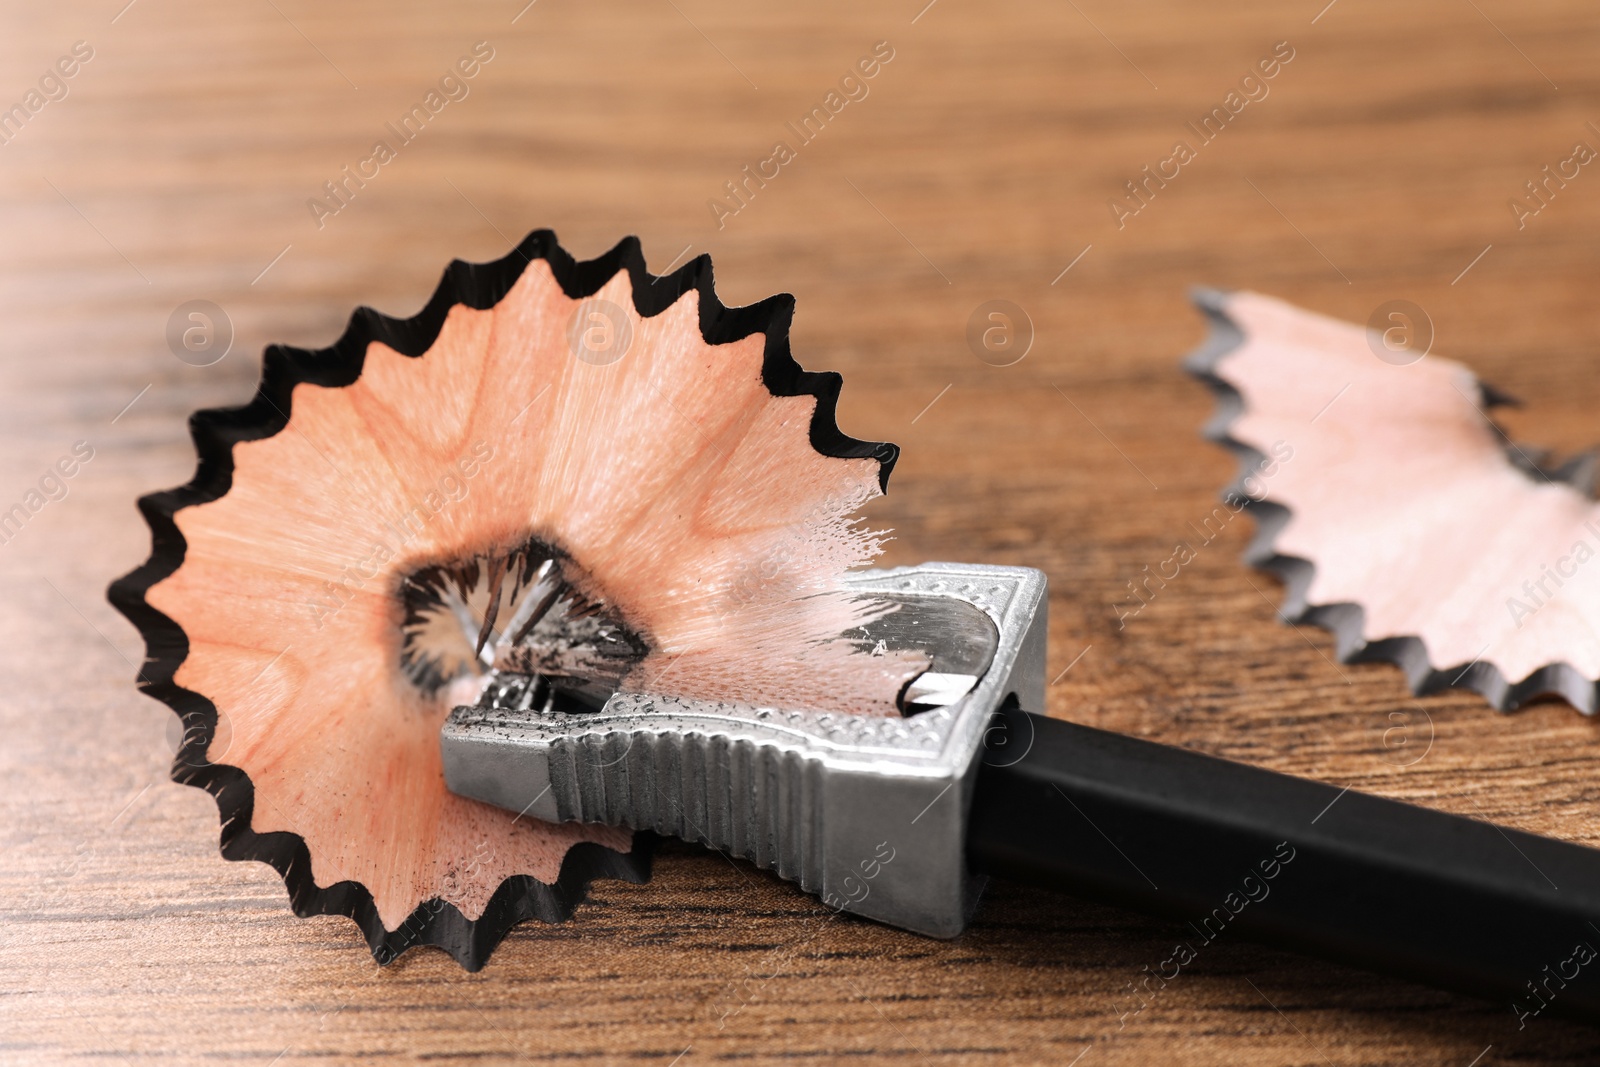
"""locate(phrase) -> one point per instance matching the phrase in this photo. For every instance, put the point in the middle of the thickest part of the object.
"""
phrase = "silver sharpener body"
(867, 812)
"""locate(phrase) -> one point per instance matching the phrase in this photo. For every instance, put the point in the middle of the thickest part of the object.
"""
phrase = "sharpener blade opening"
(958, 638)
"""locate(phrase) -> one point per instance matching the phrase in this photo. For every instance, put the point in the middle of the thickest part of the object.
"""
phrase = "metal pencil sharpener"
(869, 812)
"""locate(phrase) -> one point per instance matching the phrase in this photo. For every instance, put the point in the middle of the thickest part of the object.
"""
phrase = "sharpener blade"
(958, 638)
(869, 812)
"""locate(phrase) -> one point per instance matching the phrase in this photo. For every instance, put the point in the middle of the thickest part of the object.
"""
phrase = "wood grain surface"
(978, 166)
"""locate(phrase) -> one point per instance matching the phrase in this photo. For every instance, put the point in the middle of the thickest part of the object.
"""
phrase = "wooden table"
(979, 167)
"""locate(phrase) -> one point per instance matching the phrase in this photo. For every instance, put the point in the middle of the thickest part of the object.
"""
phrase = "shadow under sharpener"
(868, 812)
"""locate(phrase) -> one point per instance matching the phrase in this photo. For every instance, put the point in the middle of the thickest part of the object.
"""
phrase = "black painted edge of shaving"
(1346, 621)
(216, 431)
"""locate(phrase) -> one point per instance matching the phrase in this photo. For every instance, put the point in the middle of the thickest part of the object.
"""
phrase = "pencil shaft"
(1231, 850)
